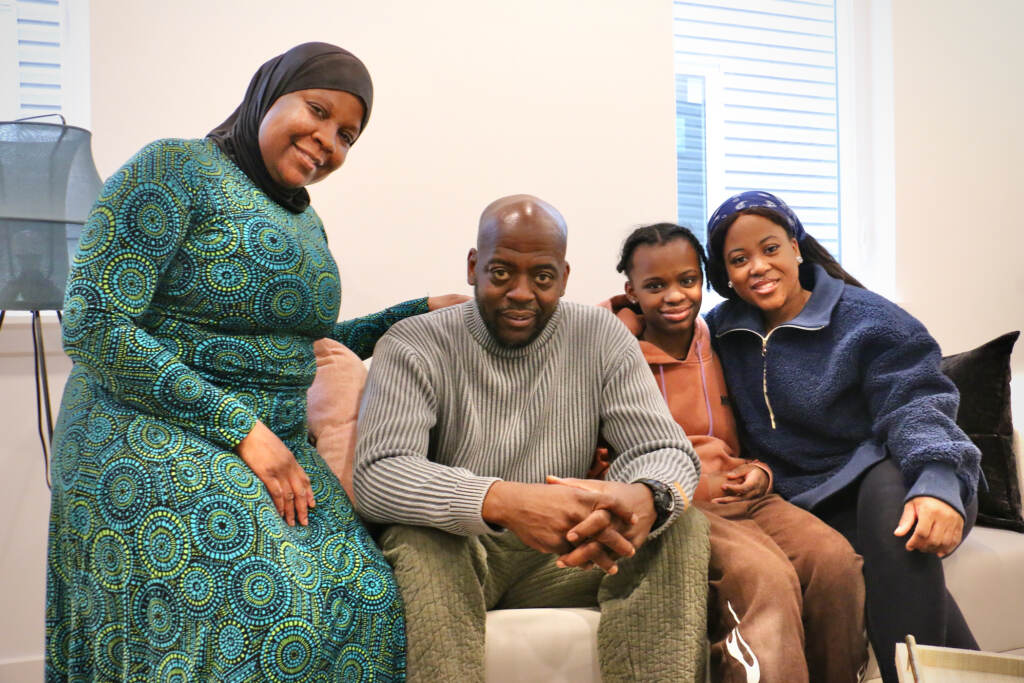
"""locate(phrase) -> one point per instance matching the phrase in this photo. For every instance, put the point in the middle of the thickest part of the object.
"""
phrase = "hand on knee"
(938, 527)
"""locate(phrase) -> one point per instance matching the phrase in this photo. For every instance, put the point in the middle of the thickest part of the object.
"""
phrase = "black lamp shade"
(48, 183)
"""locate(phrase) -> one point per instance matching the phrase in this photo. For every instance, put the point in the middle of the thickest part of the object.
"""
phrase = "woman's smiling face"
(761, 261)
(306, 135)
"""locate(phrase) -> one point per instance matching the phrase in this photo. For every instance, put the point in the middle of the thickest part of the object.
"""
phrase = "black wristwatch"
(664, 501)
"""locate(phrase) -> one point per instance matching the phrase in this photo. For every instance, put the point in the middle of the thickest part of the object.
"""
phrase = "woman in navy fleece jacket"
(840, 391)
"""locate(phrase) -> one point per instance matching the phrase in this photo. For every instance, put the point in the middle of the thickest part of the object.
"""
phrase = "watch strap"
(664, 501)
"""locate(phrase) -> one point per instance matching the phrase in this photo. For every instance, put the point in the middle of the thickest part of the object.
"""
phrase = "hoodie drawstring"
(704, 388)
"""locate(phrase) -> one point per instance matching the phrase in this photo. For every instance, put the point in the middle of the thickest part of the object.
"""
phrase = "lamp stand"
(44, 410)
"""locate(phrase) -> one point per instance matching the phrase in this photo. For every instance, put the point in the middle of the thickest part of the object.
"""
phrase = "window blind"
(34, 56)
(765, 72)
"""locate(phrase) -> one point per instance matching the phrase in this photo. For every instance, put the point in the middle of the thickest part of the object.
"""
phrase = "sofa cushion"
(984, 575)
(333, 406)
(561, 644)
(983, 377)
(555, 645)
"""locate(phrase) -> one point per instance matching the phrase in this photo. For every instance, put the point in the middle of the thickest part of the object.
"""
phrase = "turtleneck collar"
(478, 328)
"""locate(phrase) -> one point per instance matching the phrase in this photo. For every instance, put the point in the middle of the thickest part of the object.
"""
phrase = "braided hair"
(658, 234)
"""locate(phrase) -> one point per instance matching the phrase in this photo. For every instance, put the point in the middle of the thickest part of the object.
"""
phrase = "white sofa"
(986, 575)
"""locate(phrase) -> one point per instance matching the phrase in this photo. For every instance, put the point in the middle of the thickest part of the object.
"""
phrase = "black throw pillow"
(983, 377)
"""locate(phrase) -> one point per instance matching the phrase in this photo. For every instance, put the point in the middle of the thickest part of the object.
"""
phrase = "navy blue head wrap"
(306, 66)
(755, 198)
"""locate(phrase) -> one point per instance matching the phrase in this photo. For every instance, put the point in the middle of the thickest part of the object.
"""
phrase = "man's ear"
(471, 267)
(565, 279)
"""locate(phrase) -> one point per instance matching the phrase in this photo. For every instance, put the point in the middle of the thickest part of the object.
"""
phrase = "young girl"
(840, 390)
(781, 581)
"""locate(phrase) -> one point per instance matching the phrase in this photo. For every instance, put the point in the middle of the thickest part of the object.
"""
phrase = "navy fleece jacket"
(849, 381)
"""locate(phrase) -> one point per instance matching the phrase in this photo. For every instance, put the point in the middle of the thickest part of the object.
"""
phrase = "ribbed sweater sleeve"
(639, 427)
(447, 411)
(394, 480)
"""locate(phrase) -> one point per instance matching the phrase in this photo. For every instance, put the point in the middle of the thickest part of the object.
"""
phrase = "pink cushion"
(333, 406)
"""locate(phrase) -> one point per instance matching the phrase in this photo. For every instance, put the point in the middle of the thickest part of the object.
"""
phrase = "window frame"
(867, 176)
(864, 138)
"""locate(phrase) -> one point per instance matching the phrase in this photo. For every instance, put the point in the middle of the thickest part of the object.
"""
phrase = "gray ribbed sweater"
(448, 410)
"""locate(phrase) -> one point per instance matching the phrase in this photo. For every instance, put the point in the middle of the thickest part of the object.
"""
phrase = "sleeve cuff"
(412, 307)
(232, 423)
(767, 470)
(939, 480)
(466, 507)
(682, 502)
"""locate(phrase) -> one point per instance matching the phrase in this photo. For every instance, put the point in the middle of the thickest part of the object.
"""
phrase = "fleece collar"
(825, 293)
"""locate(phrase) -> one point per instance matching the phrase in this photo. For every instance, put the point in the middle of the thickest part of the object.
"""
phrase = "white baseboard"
(21, 670)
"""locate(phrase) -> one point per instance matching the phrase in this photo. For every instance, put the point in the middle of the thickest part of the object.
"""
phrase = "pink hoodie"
(698, 399)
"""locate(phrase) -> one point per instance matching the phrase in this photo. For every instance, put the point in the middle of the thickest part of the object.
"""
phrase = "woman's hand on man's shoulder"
(445, 300)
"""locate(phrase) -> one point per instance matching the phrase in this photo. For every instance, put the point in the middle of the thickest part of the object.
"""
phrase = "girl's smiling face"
(665, 280)
(761, 261)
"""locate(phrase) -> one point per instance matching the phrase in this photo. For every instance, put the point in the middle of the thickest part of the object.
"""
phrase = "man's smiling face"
(518, 270)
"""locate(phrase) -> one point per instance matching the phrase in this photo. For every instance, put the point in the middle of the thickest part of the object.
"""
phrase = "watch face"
(668, 500)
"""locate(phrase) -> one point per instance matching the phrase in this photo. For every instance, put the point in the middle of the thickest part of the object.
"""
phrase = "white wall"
(959, 149)
(26, 500)
(474, 100)
(568, 100)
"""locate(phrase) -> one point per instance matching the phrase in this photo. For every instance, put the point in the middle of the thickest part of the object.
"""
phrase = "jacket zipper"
(764, 359)
(764, 376)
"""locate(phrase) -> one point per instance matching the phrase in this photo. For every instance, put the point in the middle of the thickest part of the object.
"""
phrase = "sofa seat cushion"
(556, 645)
(985, 577)
(545, 644)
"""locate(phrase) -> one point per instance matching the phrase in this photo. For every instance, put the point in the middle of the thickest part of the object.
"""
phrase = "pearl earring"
(730, 284)
(799, 259)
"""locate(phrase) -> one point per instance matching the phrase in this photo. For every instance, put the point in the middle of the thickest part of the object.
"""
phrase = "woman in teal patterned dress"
(181, 459)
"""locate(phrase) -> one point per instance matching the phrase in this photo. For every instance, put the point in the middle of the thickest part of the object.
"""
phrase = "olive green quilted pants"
(653, 611)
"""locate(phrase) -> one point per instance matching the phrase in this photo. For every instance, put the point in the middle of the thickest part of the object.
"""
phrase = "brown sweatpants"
(786, 596)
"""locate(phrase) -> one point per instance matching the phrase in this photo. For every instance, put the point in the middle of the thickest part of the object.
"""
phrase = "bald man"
(477, 425)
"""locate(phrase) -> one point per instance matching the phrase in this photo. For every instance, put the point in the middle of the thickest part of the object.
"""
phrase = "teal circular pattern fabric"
(190, 313)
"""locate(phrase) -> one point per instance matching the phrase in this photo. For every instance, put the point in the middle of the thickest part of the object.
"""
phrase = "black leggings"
(906, 591)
